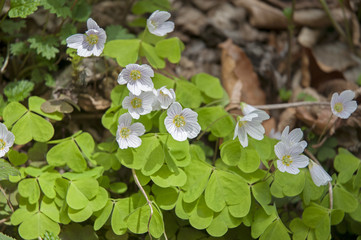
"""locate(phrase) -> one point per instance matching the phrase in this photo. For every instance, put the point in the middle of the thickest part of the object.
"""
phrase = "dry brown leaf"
(264, 15)
(238, 76)
(316, 118)
(287, 118)
(91, 104)
(190, 20)
(314, 73)
(308, 37)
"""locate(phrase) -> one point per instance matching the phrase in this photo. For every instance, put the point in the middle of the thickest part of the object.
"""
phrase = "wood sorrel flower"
(181, 123)
(342, 105)
(250, 124)
(164, 97)
(128, 134)
(137, 77)
(158, 25)
(138, 105)
(290, 158)
(318, 174)
(293, 137)
(7, 139)
(90, 43)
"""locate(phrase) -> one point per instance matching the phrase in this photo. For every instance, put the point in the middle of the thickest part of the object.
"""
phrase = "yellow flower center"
(92, 39)
(338, 107)
(179, 121)
(136, 102)
(2, 144)
(135, 75)
(154, 23)
(286, 160)
(124, 132)
(162, 93)
(241, 123)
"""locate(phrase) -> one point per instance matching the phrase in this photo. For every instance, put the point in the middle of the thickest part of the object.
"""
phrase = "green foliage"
(326, 151)
(23, 8)
(216, 120)
(7, 170)
(125, 51)
(27, 124)
(81, 11)
(18, 48)
(50, 236)
(115, 32)
(149, 52)
(346, 164)
(18, 91)
(305, 97)
(57, 7)
(10, 26)
(17, 158)
(75, 185)
(188, 94)
(209, 85)
(5, 237)
(46, 47)
(170, 48)
(71, 152)
(148, 6)
(285, 94)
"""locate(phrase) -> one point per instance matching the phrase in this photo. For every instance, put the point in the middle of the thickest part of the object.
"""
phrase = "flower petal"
(75, 41)
(91, 24)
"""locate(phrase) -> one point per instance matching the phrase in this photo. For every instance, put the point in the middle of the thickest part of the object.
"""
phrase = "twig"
(280, 105)
(4, 220)
(7, 199)
(146, 197)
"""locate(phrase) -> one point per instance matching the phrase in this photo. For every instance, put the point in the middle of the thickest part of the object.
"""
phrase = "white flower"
(250, 124)
(127, 133)
(342, 105)
(7, 139)
(290, 158)
(92, 42)
(138, 105)
(181, 124)
(318, 174)
(157, 24)
(293, 137)
(164, 97)
(274, 134)
(137, 77)
(247, 109)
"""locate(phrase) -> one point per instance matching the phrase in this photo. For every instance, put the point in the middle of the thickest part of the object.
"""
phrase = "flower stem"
(146, 198)
(7, 199)
(330, 193)
(291, 27)
(325, 128)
